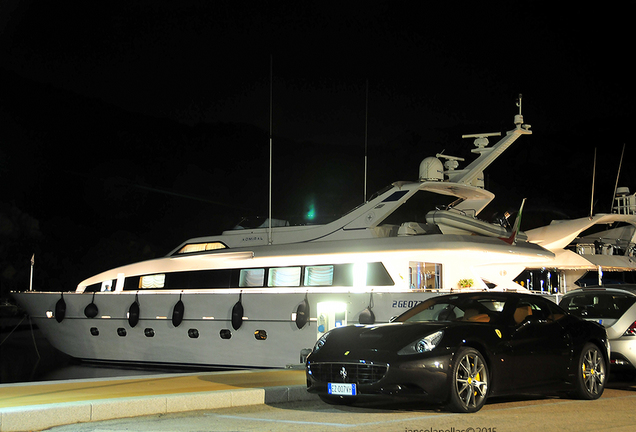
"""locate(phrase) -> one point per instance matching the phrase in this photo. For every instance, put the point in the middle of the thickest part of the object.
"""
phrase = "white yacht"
(261, 297)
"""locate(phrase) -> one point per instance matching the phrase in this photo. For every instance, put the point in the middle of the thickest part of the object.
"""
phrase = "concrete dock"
(37, 406)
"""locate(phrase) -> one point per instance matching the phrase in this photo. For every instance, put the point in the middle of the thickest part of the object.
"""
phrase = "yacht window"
(152, 281)
(376, 275)
(93, 288)
(252, 278)
(425, 275)
(201, 247)
(319, 275)
(107, 286)
(284, 276)
(395, 196)
(200, 279)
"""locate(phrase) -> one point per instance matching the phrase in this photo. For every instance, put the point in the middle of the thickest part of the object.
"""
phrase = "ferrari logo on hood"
(343, 373)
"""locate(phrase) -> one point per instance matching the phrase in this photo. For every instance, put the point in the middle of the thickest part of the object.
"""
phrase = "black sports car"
(459, 349)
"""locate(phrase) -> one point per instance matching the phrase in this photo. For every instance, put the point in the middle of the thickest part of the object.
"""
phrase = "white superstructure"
(243, 299)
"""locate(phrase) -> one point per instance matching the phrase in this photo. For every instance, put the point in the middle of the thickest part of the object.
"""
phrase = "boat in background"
(595, 244)
(261, 297)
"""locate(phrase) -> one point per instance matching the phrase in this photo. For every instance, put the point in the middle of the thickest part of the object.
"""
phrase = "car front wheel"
(591, 373)
(469, 382)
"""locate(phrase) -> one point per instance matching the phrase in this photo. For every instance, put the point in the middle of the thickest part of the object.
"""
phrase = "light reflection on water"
(87, 371)
(26, 356)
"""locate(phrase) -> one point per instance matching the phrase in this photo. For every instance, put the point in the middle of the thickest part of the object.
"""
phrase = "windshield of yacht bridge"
(416, 207)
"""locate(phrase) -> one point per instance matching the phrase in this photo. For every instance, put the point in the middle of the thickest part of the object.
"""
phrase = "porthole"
(149, 332)
(260, 334)
(193, 333)
(121, 331)
(94, 331)
(225, 334)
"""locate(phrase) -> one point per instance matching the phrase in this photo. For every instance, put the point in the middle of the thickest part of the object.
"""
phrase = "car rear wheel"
(591, 373)
(469, 382)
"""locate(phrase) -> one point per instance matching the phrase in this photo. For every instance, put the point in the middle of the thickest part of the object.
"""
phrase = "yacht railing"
(624, 203)
(601, 248)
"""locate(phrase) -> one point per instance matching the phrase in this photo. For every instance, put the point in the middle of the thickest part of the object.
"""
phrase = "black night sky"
(127, 127)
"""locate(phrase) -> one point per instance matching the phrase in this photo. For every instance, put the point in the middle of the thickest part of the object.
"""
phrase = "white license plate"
(342, 389)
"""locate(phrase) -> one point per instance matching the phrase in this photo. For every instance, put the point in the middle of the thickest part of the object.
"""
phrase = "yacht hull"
(268, 337)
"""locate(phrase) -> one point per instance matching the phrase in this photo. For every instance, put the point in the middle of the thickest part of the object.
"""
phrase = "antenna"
(366, 128)
(488, 154)
(452, 162)
(519, 117)
(481, 140)
(32, 265)
(269, 224)
(620, 164)
(593, 179)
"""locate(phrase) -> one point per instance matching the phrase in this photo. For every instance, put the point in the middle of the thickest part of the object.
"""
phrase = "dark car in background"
(460, 349)
(614, 307)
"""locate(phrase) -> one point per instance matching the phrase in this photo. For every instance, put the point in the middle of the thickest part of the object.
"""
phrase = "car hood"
(390, 337)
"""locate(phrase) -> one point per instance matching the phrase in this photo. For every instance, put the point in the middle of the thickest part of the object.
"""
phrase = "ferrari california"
(460, 349)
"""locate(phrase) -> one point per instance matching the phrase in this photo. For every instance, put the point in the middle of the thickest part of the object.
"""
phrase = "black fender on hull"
(367, 316)
(60, 309)
(177, 312)
(133, 312)
(237, 313)
(302, 313)
(91, 310)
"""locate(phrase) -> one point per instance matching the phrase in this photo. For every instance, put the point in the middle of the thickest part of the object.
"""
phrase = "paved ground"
(37, 406)
(615, 411)
(52, 392)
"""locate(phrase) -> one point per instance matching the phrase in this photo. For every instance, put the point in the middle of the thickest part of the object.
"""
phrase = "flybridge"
(451, 189)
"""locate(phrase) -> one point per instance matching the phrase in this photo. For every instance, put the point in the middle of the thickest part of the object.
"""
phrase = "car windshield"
(456, 308)
(598, 304)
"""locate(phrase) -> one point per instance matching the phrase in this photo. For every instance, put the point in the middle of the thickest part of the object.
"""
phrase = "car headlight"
(321, 341)
(422, 345)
